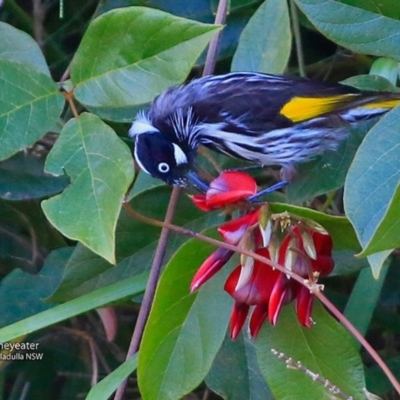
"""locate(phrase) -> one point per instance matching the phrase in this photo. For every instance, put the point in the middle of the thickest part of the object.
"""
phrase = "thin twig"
(220, 18)
(39, 13)
(329, 199)
(297, 37)
(351, 328)
(69, 96)
(215, 242)
(162, 243)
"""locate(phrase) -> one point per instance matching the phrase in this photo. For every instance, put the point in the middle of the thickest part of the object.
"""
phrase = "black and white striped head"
(157, 155)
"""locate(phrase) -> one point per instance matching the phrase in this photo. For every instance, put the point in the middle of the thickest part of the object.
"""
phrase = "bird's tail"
(350, 106)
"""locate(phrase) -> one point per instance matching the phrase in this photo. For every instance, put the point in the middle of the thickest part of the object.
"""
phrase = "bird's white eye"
(163, 167)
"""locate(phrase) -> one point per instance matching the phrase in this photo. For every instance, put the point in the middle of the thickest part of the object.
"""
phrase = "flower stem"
(351, 328)
(215, 242)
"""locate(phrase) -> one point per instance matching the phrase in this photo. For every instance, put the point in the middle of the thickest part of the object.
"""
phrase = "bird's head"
(157, 155)
(162, 158)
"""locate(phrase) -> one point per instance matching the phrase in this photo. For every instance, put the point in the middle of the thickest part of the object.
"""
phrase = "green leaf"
(22, 178)
(387, 68)
(22, 294)
(365, 294)
(184, 331)
(96, 299)
(101, 170)
(135, 245)
(359, 30)
(30, 105)
(326, 349)
(389, 8)
(370, 82)
(235, 374)
(130, 55)
(265, 43)
(339, 228)
(107, 386)
(19, 47)
(346, 263)
(377, 261)
(372, 195)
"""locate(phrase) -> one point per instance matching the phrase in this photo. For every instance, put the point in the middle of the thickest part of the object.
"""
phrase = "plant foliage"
(69, 87)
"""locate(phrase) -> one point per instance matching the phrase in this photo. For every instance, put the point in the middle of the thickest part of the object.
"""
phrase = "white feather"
(137, 158)
(141, 125)
(180, 156)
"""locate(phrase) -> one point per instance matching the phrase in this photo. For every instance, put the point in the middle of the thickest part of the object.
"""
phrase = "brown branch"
(220, 18)
(39, 14)
(69, 96)
(162, 243)
(215, 242)
(352, 329)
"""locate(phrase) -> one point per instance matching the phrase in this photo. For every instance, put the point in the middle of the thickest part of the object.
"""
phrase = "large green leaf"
(101, 170)
(130, 55)
(22, 294)
(389, 8)
(365, 294)
(235, 374)
(265, 43)
(358, 30)
(90, 301)
(372, 195)
(19, 47)
(30, 104)
(22, 178)
(325, 349)
(135, 245)
(184, 331)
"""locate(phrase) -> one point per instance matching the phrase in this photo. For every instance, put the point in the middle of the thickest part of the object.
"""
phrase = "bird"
(268, 120)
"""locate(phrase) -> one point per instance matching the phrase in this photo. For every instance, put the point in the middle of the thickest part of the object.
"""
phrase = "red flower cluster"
(305, 250)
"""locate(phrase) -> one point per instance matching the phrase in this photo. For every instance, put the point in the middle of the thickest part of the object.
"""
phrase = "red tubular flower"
(238, 318)
(279, 296)
(228, 188)
(257, 288)
(323, 246)
(304, 303)
(231, 232)
(234, 230)
(258, 317)
(294, 256)
(255, 291)
(210, 267)
(267, 290)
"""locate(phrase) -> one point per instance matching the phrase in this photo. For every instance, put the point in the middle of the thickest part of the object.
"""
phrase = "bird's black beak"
(197, 182)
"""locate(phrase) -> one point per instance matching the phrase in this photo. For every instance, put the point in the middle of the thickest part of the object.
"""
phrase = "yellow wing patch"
(304, 108)
(383, 104)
